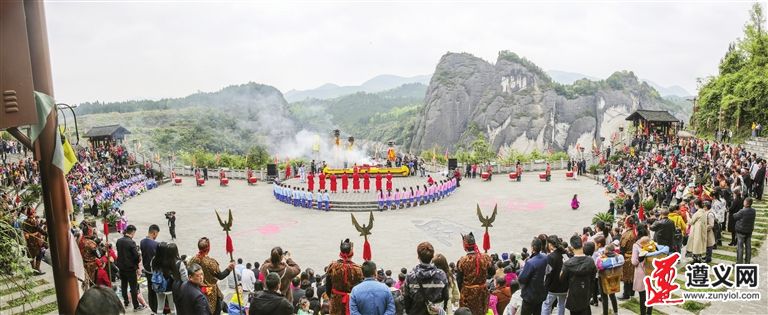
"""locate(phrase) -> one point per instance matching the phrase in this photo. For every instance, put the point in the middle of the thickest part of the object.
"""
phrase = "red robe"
(389, 185)
(322, 181)
(367, 182)
(333, 182)
(344, 182)
(311, 182)
(389, 176)
(356, 181)
(378, 182)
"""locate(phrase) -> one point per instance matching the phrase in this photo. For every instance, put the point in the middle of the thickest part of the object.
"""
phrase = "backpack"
(159, 282)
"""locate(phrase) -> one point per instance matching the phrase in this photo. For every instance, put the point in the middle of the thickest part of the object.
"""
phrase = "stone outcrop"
(515, 105)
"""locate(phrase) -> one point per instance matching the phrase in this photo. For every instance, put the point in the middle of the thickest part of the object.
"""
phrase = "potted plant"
(111, 220)
(648, 204)
(603, 216)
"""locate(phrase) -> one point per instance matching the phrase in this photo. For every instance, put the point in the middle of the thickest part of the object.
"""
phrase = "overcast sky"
(121, 50)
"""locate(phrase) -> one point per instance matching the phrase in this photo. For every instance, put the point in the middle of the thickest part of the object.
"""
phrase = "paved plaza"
(526, 209)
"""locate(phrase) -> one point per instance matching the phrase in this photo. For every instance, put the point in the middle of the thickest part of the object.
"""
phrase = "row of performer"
(414, 197)
(332, 182)
(321, 199)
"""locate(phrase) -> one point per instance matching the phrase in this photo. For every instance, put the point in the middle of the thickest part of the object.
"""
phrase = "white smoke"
(304, 145)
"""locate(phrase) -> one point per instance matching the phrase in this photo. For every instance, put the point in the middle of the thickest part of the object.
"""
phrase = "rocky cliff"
(517, 106)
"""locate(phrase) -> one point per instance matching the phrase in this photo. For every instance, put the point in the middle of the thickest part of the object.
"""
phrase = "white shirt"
(515, 301)
(249, 280)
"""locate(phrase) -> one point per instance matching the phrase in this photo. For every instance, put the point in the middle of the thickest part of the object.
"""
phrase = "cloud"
(132, 50)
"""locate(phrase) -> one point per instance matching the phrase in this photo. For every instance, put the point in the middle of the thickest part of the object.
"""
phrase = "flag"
(70, 158)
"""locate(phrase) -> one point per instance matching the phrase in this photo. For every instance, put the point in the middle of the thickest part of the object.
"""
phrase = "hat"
(345, 246)
(504, 256)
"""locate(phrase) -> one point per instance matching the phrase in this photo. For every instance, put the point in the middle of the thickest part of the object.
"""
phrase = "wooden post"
(52, 178)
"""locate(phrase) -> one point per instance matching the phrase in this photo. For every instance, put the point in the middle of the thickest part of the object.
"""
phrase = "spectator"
(664, 230)
(281, 264)
(745, 224)
(515, 302)
(99, 301)
(191, 298)
(442, 263)
(556, 288)
(271, 301)
(579, 271)
(371, 297)
(248, 279)
(532, 280)
(148, 248)
(128, 263)
(502, 294)
(426, 286)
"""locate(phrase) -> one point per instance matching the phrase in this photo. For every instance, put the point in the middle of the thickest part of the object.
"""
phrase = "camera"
(170, 214)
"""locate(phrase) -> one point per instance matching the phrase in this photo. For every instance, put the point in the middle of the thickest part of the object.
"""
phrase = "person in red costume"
(344, 182)
(378, 182)
(356, 181)
(322, 181)
(333, 183)
(366, 182)
(287, 170)
(311, 182)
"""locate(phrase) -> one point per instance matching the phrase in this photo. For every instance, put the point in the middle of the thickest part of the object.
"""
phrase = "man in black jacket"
(736, 205)
(128, 262)
(425, 283)
(759, 181)
(579, 272)
(664, 230)
(270, 302)
(191, 297)
(557, 289)
(148, 247)
(745, 224)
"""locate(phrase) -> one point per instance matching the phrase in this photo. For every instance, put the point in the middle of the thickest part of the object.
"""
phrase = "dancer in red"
(366, 182)
(333, 183)
(378, 182)
(287, 170)
(344, 182)
(356, 182)
(322, 181)
(311, 182)
(389, 185)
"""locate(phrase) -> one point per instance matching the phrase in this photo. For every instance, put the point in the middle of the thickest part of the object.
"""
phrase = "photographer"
(281, 263)
(171, 217)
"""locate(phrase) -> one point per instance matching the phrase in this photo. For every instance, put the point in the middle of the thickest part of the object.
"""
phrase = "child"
(575, 202)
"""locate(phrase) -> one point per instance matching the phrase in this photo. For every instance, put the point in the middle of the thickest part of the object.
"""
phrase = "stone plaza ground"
(525, 209)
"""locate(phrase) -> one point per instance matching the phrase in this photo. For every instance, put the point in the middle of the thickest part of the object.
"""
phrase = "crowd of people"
(699, 189)
(699, 186)
(103, 175)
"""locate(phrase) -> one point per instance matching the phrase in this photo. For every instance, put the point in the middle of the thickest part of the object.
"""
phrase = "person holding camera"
(171, 216)
(280, 263)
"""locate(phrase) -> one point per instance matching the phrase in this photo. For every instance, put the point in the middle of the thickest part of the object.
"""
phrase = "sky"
(127, 50)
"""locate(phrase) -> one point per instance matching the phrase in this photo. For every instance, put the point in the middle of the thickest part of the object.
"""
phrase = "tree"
(481, 151)
(738, 95)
